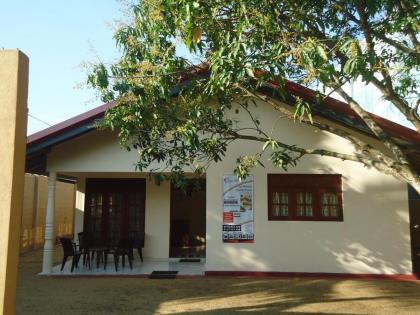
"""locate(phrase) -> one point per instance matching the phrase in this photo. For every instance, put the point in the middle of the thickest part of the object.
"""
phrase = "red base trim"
(318, 275)
(119, 276)
(81, 276)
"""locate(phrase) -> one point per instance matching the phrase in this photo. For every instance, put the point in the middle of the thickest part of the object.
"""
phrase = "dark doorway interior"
(414, 206)
(188, 220)
(114, 209)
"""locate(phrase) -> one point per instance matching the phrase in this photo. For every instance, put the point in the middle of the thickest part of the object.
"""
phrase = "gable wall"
(374, 237)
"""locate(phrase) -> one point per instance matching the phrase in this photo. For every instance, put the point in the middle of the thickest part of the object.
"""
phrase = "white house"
(324, 216)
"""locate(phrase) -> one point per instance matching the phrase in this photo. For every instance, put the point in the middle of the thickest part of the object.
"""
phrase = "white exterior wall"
(157, 220)
(98, 155)
(373, 238)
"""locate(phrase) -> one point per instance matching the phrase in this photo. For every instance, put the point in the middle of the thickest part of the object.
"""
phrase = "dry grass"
(44, 295)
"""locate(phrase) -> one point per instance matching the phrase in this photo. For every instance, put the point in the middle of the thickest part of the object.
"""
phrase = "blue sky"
(58, 36)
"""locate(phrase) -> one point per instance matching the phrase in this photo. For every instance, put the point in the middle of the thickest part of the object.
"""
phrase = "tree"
(322, 44)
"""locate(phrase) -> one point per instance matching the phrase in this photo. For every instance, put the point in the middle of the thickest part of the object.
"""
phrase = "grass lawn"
(46, 295)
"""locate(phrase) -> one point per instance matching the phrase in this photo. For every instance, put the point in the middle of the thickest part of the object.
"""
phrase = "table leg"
(98, 254)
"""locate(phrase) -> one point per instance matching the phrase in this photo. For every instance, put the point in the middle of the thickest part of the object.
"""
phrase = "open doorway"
(188, 220)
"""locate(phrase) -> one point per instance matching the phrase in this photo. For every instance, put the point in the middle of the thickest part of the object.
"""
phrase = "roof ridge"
(291, 87)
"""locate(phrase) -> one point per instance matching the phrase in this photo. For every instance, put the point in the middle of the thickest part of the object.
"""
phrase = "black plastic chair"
(69, 250)
(137, 238)
(124, 248)
(84, 245)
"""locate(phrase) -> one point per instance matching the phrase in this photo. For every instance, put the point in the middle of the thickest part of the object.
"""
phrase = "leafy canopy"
(173, 112)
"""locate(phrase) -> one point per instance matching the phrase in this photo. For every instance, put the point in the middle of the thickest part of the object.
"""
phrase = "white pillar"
(47, 261)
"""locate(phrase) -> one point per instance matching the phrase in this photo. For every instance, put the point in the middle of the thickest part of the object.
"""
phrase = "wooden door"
(115, 217)
(94, 205)
(113, 209)
(414, 206)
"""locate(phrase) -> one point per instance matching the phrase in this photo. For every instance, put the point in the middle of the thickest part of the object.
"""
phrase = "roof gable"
(334, 110)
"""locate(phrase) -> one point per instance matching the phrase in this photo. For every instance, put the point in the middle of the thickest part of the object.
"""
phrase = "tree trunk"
(416, 186)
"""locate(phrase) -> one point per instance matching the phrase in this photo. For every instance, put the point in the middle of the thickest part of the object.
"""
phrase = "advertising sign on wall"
(238, 209)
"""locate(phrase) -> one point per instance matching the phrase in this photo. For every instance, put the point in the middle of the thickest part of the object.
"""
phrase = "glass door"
(115, 214)
(95, 209)
(114, 208)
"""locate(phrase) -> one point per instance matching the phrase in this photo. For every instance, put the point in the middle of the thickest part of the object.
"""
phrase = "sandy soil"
(47, 295)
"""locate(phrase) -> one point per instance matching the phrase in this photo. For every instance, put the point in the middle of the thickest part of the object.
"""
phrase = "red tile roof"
(90, 115)
(388, 126)
(295, 89)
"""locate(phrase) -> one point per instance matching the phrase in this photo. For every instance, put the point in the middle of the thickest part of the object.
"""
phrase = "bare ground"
(47, 295)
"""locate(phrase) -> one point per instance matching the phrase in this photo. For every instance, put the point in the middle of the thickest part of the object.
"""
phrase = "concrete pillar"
(14, 67)
(35, 211)
(47, 261)
(157, 220)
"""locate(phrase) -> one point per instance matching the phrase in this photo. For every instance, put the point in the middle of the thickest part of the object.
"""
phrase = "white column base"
(47, 262)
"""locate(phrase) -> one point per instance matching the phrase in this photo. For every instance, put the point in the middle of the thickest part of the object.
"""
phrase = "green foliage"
(282, 159)
(302, 109)
(171, 116)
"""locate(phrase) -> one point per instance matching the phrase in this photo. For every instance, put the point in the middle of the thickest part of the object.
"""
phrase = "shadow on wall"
(374, 237)
(78, 221)
(376, 240)
(34, 210)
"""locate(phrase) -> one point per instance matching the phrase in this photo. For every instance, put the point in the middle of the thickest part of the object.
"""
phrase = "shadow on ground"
(208, 295)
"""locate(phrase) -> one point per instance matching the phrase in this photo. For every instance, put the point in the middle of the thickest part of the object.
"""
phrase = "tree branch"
(396, 44)
(405, 8)
(381, 35)
(323, 152)
(378, 131)
(364, 148)
(387, 88)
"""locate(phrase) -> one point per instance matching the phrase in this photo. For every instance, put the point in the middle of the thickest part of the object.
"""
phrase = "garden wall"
(34, 209)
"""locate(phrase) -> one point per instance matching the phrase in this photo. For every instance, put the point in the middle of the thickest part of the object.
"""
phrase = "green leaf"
(270, 142)
(349, 66)
(250, 72)
(180, 116)
(322, 53)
